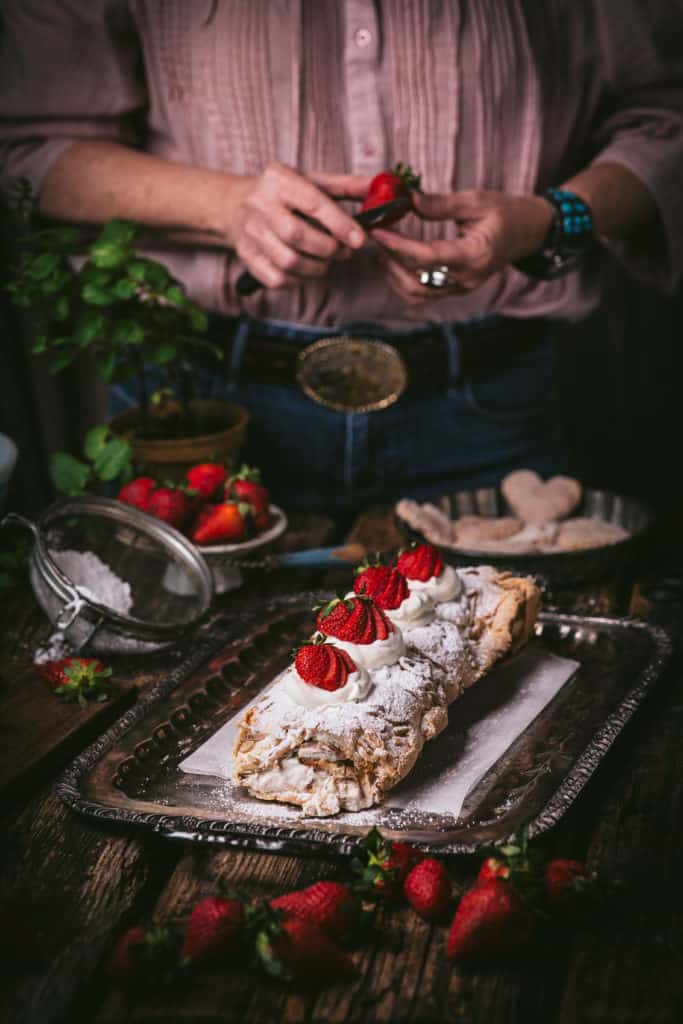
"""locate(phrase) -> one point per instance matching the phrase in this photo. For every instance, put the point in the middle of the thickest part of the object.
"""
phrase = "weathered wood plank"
(74, 885)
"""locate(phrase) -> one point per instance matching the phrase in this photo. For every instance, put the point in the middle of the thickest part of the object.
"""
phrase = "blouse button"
(363, 37)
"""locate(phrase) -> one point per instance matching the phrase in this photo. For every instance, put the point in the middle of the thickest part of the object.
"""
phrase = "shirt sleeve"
(69, 70)
(641, 127)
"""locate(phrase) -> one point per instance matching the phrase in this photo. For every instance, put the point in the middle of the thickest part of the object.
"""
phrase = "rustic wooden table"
(70, 887)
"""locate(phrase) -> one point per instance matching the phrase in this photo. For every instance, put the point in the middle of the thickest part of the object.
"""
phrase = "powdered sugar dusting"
(94, 579)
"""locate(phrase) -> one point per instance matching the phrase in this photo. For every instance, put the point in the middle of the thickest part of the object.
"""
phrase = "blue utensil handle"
(323, 558)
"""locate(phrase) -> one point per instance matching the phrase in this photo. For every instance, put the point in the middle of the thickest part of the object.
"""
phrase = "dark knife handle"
(247, 284)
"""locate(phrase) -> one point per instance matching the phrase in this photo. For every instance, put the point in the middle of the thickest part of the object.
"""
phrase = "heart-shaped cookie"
(538, 501)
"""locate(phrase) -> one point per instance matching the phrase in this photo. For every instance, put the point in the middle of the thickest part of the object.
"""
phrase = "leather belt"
(482, 349)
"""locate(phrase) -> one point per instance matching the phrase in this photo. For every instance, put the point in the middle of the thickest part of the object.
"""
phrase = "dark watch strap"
(570, 237)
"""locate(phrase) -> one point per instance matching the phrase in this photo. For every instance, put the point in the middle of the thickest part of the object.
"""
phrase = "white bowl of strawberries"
(226, 515)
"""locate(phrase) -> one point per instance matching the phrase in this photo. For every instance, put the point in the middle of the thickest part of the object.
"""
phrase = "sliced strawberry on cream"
(362, 629)
(423, 567)
(389, 589)
(324, 674)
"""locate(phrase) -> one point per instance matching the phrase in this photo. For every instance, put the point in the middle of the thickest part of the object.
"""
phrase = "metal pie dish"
(556, 568)
(171, 584)
(224, 559)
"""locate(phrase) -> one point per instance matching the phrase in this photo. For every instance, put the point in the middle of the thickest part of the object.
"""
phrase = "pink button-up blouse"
(495, 94)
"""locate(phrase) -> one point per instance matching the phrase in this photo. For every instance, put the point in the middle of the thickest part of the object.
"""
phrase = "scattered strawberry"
(298, 949)
(172, 505)
(142, 955)
(245, 485)
(384, 584)
(215, 927)
(420, 562)
(491, 919)
(205, 478)
(138, 492)
(79, 679)
(332, 906)
(357, 620)
(566, 882)
(384, 866)
(324, 665)
(428, 889)
(493, 867)
(398, 183)
(221, 524)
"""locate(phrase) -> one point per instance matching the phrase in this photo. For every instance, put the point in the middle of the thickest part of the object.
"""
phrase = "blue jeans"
(465, 434)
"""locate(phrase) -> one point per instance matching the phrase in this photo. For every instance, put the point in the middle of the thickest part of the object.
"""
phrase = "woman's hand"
(279, 247)
(495, 229)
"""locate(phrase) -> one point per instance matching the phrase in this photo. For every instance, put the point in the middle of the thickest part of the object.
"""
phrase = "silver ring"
(437, 277)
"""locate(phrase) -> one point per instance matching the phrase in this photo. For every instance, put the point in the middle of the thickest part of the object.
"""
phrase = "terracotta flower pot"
(170, 459)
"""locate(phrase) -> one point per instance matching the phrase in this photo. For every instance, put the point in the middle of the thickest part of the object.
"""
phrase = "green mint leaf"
(96, 440)
(113, 459)
(68, 475)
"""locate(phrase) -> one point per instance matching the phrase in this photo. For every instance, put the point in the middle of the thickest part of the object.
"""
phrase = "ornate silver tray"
(131, 773)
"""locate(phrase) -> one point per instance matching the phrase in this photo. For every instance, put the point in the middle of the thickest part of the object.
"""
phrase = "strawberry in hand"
(77, 679)
(388, 186)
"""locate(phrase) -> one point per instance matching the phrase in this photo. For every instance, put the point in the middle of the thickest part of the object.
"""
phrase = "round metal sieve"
(113, 578)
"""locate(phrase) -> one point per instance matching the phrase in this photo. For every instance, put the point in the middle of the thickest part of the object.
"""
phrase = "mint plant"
(125, 309)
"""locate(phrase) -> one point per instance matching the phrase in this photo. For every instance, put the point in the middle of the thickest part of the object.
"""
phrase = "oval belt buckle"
(351, 374)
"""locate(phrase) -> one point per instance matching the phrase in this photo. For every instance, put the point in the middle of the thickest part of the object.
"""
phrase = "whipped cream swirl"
(444, 587)
(356, 687)
(376, 654)
(415, 610)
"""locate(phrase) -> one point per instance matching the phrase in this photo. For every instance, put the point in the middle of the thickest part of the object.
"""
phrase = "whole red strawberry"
(388, 186)
(383, 583)
(245, 485)
(221, 524)
(332, 906)
(420, 562)
(493, 867)
(566, 881)
(146, 956)
(138, 492)
(205, 478)
(324, 665)
(297, 948)
(428, 889)
(215, 927)
(383, 866)
(77, 679)
(172, 505)
(492, 919)
(357, 620)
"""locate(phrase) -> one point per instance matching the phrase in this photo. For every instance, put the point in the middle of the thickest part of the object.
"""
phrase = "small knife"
(247, 284)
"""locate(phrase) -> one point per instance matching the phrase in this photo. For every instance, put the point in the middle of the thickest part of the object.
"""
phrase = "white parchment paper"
(483, 724)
